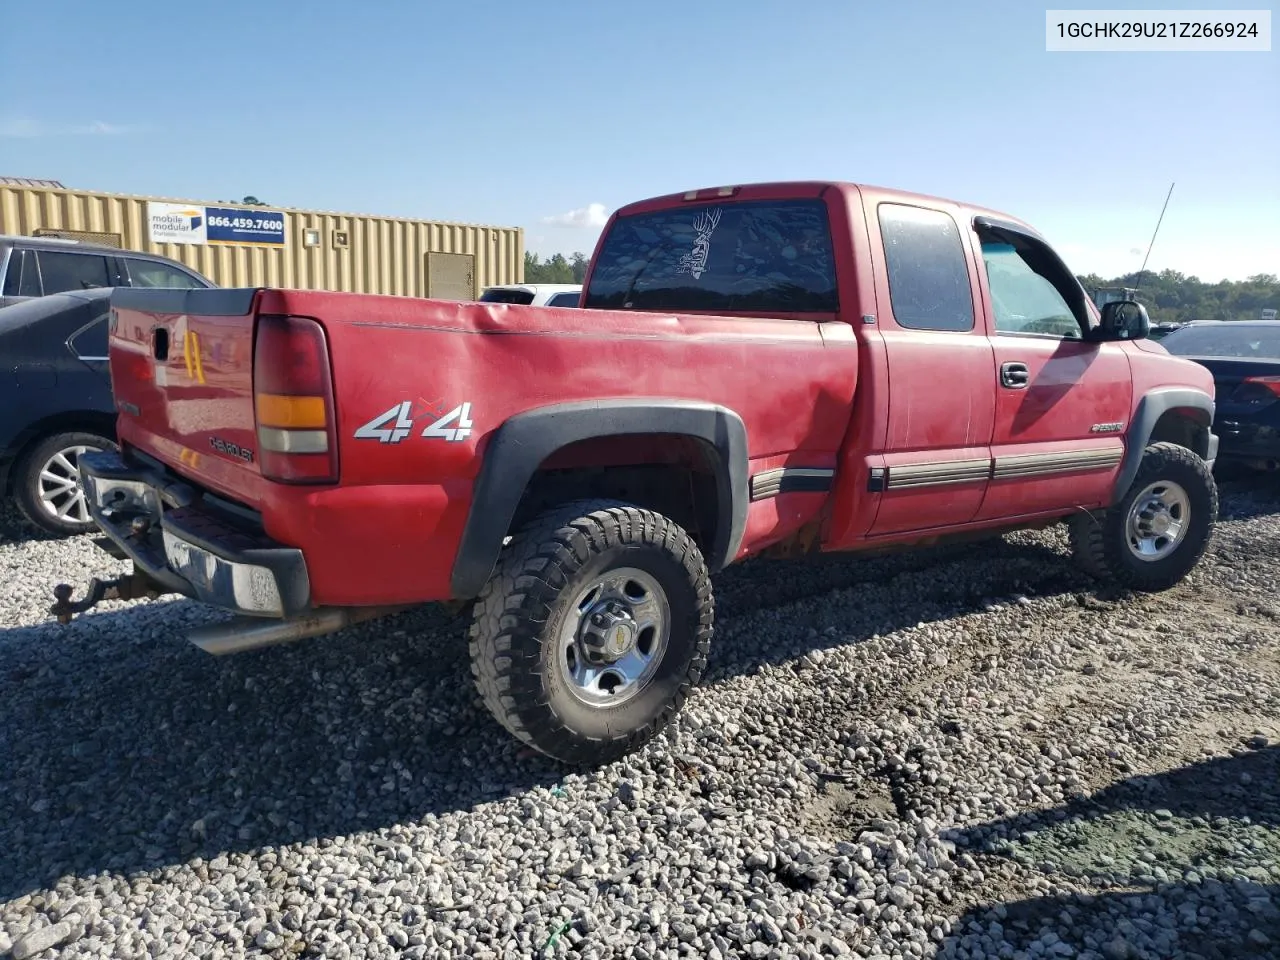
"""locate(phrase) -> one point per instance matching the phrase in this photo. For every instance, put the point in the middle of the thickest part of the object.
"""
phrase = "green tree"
(556, 268)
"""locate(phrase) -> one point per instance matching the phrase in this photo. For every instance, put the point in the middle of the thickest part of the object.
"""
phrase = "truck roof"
(810, 188)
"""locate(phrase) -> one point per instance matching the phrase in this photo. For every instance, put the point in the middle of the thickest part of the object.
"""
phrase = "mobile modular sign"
(200, 225)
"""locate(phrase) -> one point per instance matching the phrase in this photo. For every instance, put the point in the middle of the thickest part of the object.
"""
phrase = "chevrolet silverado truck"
(761, 370)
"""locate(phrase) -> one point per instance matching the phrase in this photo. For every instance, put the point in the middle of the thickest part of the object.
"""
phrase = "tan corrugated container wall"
(383, 255)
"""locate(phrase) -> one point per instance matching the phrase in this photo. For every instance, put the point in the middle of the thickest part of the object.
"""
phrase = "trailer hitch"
(133, 586)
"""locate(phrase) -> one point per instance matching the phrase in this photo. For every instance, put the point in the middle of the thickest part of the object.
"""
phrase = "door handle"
(1014, 375)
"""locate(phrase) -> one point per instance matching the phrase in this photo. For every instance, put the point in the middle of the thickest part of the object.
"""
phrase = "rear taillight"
(1257, 390)
(1267, 383)
(293, 401)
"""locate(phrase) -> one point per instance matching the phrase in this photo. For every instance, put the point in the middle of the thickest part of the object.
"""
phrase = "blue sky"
(526, 114)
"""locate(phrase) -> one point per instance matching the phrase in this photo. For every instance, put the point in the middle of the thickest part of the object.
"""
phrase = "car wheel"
(592, 630)
(47, 483)
(1159, 529)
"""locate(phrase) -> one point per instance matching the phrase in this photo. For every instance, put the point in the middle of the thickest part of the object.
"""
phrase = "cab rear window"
(754, 256)
(500, 295)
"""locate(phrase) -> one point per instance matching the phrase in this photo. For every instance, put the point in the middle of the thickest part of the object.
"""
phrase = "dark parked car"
(1244, 357)
(1161, 330)
(55, 403)
(39, 266)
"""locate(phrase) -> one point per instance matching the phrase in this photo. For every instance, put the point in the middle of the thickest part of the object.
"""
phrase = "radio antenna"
(1138, 282)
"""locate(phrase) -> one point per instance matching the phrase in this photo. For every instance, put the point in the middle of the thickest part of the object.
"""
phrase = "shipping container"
(236, 244)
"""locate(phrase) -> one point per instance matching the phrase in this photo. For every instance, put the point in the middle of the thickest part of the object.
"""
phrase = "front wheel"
(592, 630)
(1158, 531)
(47, 482)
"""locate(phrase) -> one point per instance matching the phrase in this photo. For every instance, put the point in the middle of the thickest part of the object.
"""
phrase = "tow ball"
(133, 586)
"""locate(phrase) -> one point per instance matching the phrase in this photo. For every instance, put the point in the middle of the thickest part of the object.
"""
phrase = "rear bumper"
(161, 527)
(1245, 440)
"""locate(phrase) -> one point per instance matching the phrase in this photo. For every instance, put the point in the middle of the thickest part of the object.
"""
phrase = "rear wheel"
(46, 483)
(1158, 531)
(592, 630)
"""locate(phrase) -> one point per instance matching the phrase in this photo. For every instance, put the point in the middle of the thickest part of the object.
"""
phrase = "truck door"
(1062, 403)
(937, 456)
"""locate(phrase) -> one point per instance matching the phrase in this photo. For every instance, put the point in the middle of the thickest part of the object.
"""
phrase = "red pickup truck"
(765, 369)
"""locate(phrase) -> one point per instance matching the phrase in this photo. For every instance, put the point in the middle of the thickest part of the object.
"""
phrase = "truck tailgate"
(182, 374)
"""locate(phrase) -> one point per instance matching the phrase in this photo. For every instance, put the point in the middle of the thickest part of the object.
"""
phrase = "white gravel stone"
(876, 743)
(44, 938)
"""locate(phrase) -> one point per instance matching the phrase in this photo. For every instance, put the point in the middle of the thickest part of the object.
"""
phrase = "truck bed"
(791, 381)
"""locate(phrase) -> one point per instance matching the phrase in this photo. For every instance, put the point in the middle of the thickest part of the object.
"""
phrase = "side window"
(564, 300)
(148, 273)
(928, 275)
(90, 342)
(1023, 299)
(22, 278)
(72, 271)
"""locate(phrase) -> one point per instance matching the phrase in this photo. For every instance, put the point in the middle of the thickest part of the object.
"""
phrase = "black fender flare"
(1151, 408)
(523, 442)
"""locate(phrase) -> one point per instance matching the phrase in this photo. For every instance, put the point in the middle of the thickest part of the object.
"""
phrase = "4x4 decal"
(396, 424)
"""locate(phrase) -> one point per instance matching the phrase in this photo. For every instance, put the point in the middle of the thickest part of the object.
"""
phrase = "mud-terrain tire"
(592, 629)
(46, 485)
(1158, 531)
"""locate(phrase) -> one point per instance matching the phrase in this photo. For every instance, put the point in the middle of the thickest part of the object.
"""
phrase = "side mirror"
(1123, 320)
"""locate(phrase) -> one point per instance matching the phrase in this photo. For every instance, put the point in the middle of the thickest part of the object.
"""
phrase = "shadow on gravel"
(127, 749)
(16, 529)
(1245, 494)
(882, 595)
(1025, 568)
(1207, 921)
(1189, 862)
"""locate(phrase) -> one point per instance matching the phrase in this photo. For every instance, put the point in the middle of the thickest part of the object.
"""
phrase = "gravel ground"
(962, 753)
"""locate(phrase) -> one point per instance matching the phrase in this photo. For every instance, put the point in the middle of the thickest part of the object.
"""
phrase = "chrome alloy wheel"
(614, 638)
(1157, 521)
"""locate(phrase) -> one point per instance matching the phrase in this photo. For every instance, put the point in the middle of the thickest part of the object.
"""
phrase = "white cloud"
(591, 217)
(24, 128)
(105, 129)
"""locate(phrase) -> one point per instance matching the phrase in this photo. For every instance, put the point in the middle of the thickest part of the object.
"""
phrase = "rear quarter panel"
(399, 513)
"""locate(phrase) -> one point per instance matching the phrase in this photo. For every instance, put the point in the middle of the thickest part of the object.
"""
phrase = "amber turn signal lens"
(291, 413)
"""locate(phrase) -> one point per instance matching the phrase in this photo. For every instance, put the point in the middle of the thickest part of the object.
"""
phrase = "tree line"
(556, 268)
(1173, 297)
(1170, 296)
